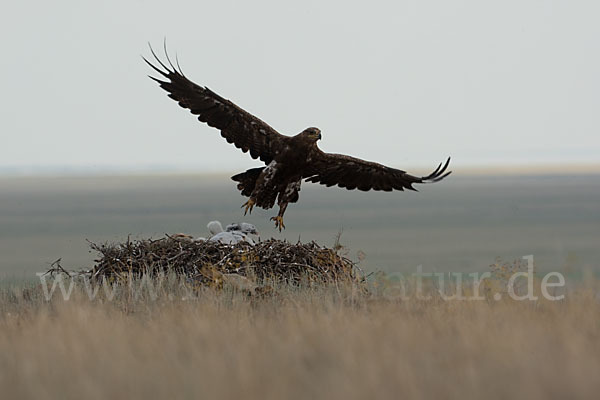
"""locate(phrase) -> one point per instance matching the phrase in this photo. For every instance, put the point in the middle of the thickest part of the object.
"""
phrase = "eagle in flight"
(288, 159)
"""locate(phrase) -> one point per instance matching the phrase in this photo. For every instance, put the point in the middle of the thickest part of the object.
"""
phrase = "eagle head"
(313, 134)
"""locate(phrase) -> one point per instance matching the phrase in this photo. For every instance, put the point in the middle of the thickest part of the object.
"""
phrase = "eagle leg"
(278, 222)
(279, 218)
(249, 205)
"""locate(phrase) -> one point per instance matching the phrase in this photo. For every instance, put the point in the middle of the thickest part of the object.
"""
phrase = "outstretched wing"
(237, 126)
(354, 173)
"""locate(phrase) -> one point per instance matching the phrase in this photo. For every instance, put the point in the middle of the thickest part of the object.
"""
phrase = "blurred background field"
(461, 224)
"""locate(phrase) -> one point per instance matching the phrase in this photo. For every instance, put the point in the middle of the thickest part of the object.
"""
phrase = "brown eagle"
(288, 159)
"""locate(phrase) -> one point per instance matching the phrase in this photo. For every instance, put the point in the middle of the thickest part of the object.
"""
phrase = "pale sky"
(405, 83)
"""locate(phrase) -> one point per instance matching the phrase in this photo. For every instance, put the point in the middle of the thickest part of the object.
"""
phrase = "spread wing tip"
(165, 71)
(154, 67)
(439, 173)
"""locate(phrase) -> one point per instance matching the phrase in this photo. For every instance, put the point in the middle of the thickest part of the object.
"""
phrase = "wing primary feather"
(154, 68)
(439, 171)
(436, 175)
(157, 80)
(158, 59)
(179, 66)
(446, 165)
(436, 170)
(442, 177)
(167, 54)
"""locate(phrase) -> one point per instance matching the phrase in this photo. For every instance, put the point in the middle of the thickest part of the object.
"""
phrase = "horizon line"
(149, 170)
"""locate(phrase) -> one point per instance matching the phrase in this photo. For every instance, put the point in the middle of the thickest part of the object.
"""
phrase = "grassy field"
(328, 342)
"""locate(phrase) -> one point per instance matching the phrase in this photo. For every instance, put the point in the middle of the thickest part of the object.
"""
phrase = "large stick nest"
(200, 260)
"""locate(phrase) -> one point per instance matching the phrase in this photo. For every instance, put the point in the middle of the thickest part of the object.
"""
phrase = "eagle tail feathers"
(247, 180)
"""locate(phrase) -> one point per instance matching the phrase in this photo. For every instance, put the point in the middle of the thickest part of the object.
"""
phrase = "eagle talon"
(278, 222)
(249, 206)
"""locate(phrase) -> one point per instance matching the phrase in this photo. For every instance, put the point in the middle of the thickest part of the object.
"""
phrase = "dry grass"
(328, 343)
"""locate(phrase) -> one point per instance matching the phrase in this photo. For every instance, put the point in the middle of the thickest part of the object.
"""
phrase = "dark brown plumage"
(288, 159)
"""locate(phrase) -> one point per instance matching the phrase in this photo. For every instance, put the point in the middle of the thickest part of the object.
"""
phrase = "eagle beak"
(319, 137)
